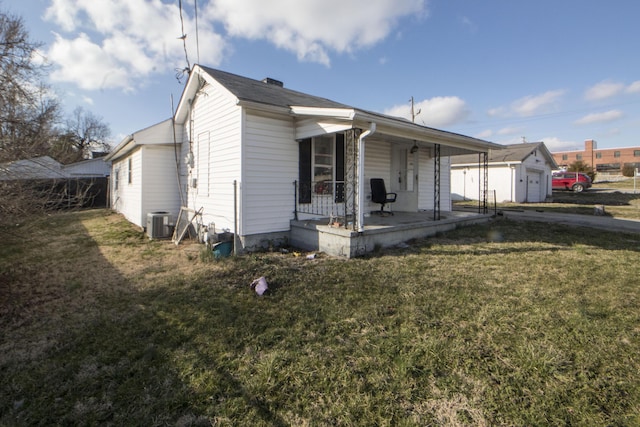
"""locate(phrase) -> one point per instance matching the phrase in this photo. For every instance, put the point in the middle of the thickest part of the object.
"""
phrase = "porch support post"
(485, 182)
(361, 198)
(351, 178)
(436, 183)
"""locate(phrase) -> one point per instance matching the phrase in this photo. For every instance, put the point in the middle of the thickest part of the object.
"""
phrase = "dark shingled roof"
(247, 89)
(510, 153)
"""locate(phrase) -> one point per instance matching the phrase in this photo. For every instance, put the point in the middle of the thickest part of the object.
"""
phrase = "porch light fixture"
(414, 148)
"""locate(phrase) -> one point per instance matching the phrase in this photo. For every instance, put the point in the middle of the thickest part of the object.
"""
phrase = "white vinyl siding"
(501, 180)
(445, 184)
(204, 164)
(270, 168)
(127, 199)
(88, 168)
(377, 164)
(212, 113)
(160, 182)
(426, 183)
(425, 180)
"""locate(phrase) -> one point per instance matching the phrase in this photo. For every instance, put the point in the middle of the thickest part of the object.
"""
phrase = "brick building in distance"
(607, 161)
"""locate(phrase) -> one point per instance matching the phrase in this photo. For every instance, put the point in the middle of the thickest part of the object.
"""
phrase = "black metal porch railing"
(322, 199)
(488, 202)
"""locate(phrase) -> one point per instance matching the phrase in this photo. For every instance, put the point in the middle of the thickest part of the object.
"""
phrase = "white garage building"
(519, 173)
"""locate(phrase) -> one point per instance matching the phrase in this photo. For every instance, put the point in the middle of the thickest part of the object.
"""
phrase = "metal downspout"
(361, 198)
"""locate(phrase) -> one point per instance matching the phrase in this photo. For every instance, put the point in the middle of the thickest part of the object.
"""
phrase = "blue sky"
(546, 70)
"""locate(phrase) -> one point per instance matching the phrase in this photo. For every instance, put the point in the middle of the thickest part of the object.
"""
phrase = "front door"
(404, 178)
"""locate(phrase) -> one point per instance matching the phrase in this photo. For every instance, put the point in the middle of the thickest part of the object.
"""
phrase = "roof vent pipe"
(270, 81)
(361, 198)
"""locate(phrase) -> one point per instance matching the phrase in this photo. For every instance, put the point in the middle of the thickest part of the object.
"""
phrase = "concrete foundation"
(379, 232)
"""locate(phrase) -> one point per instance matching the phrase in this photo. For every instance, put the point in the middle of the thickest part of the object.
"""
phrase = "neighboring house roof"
(513, 153)
(35, 168)
(47, 168)
(273, 97)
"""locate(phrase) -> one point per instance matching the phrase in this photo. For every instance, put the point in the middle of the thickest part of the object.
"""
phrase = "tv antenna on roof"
(413, 112)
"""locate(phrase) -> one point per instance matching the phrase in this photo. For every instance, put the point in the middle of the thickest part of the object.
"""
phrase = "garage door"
(533, 187)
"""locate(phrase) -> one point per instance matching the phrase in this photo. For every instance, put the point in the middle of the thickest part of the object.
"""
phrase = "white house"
(517, 173)
(145, 172)
(254, 157)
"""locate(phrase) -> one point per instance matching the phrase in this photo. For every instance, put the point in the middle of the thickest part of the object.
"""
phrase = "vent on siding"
(270, 81)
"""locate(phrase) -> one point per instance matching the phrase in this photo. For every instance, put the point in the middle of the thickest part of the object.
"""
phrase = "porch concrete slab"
(379, 231)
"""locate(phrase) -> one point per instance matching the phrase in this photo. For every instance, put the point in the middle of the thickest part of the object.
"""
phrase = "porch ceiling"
(445, 150)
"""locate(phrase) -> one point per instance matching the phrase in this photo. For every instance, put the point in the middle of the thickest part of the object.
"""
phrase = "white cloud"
(487, 133)
(604, 117)
(435, 112)
(556, 144)
(528, 105)
(121, 43)
(634, 87)
(535, 104)
(86, 64)
(509, 131)
(313, 28)
(603, 90)
(469, 24)
(496, 112)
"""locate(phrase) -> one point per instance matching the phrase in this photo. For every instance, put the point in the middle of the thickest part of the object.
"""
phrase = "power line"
(195, 5)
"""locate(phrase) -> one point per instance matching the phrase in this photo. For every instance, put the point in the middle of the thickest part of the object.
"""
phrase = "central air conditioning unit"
(158, 226)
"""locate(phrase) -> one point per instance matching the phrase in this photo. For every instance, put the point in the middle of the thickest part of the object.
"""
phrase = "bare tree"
(28, 109)
(84, 132)
(28, 115)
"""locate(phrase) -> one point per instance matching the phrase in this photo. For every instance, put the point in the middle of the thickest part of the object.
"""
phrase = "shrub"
(581, 166)
(628, 170)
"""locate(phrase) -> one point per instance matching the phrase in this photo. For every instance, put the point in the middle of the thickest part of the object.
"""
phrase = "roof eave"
(420, 133)
(259, 106)
(336, 113)
(121, 149)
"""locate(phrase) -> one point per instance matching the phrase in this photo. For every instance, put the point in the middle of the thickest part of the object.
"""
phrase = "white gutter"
(361, 198)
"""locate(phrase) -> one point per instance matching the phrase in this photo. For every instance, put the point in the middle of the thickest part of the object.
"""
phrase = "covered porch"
(342, 152)
(379, 231)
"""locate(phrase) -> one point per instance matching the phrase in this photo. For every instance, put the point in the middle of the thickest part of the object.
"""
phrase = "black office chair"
(379, 194)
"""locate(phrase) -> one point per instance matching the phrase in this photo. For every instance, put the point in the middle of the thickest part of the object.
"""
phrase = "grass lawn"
(508, 323)
(620, 203)
(617, 183)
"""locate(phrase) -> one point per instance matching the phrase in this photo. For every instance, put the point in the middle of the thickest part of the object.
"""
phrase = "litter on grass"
(260, 285)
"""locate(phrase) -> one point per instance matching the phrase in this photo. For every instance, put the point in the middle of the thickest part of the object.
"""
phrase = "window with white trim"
(321, 167)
